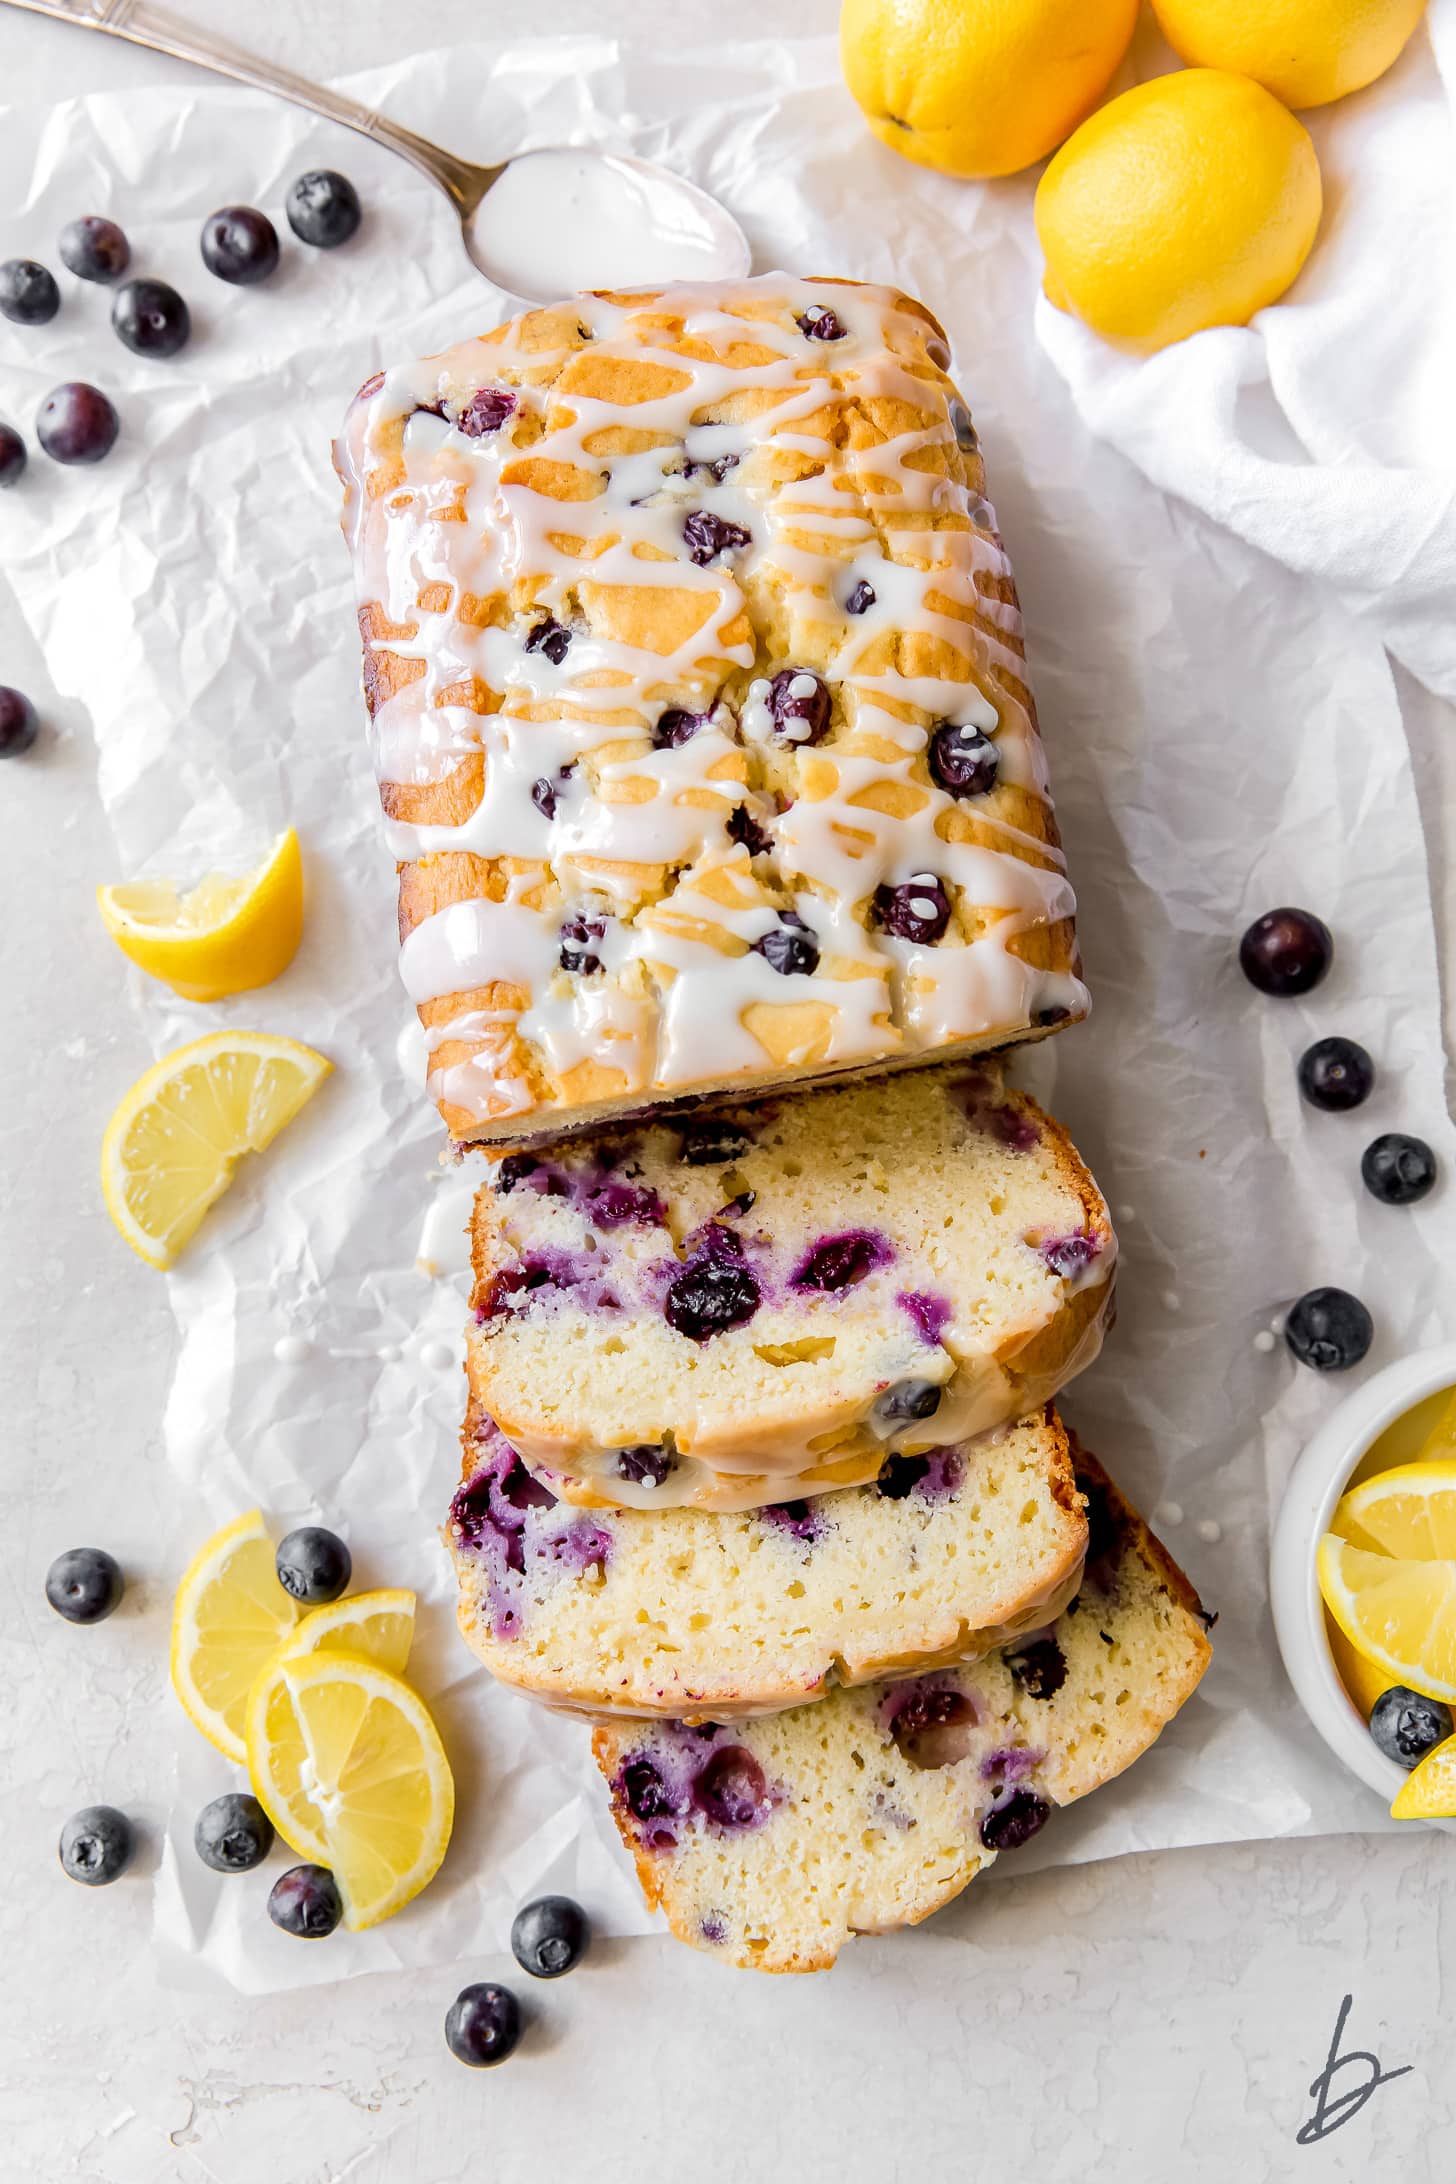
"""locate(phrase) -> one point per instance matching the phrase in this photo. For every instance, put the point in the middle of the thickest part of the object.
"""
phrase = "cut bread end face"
(740, 1309)
(694, 1614)
(769, 1843)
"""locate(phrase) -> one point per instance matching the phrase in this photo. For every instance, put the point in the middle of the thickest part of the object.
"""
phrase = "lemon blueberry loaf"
(686, 1613)
(772, 1841)
(761, 1304)
(698, 704)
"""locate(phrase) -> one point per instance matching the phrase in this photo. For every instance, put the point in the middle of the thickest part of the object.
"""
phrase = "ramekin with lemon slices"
(1380, 1425)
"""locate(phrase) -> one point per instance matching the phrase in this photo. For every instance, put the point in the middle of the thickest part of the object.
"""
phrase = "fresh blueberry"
(1406, 1725)
(1286, 952)
(799, 705)
(714, 1292)
(964, 430)
(707, 536)
(1014, 1820)
(647, 1794)
(577, 953)
(305, 1902)
(550, 1937)
(710, 1143)
(647, 1465)
(918, 912)
(800, 1518)
(550, 637)
(731, 1789)
(1397, 1169)
(861, 599)
(1329, 1329)
(483, 2025)
(314, 1566)
(963, 760)
(150, 318)
(910, 1399)
(789, 946)
(12, 456)
(76, 423)
(820, 324)
(1040, 1667)
(96, 1845)
(240, 245)
(94, 249)
(28, 292)
(19, 722)
(323, 208)
(233, 1834)
(84, 1585)
(676, 726)
(743, 828)
(1336, 1074)
(485, 412)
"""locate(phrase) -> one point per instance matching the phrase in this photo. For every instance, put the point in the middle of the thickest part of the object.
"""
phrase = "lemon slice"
(224, 936)
(1441, 1440)
(349, 1767)
(230, 1616)
(1399, 1615)
(1364, 1681)
(1409, 1512)
(372, 1626)
(1429, 1793)
(172, 1144)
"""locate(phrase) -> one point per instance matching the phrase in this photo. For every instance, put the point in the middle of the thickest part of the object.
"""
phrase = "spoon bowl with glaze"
(539, 225)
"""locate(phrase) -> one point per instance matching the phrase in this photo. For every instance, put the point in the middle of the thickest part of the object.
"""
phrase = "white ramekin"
(1315, 1485)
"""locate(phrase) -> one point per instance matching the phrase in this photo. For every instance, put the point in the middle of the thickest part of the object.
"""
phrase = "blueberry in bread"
(698, 705)
(690, 1613)
(761, 1304)
(770, 1842)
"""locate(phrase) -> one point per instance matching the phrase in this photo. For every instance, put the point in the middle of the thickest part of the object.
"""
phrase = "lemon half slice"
(1409, 1512)
(172, 1145)
(1430, 1791)
(372, 1626)
(349, 1767)
(231, 1614)
(223, 936)
(1400, 1615)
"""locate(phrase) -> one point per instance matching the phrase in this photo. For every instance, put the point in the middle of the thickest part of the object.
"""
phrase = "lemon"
(1190, 201)
(1409, 1512)
(1399, 1615)
(349, 1767)
(223, 937)
(373, 1626)
(1363, 1681)
(230, 1616)
(1441, 1440)
(1429, 1791)
(980, 87)
(1305, 51)
(172, 1145)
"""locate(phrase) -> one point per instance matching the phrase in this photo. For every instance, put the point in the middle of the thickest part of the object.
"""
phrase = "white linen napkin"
(1324, 433)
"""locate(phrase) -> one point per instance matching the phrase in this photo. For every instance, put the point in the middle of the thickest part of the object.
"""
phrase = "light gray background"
(1150, 2018)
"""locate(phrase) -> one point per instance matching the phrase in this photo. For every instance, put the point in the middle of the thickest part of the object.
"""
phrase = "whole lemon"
(1306, 52)
(1190, 201)
(980, 87)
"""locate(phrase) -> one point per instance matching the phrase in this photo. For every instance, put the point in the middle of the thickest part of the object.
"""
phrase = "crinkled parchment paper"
(1221, 740)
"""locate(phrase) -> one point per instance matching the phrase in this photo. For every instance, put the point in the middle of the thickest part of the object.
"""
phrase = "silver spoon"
(665, 228)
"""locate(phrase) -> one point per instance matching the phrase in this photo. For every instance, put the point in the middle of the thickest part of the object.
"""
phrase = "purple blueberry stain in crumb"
(515, 1526)
(735, 1208)
(624, 1205)
(789, 947)
(928, 1314)
(801, 1519)
(918, 911)
(1038, 1665)
(799, 705)
(677, 726)
(1010, 1764)
(577, 953)
(486, 412)
(730, 1790)
(707, 536)
(819, 323)
(861, 599)
(514, 1169)
(1071, 1255)
(841, 1262)
(713, 1928)
(744, 829)
(711, 1143)
(551, 638)
(655, 1804)
(1014, 1820)
(934, 1474)
(647, 1465)
(930, 1724)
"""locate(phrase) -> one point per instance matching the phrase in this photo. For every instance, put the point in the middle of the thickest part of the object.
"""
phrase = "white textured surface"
(1164, 2014)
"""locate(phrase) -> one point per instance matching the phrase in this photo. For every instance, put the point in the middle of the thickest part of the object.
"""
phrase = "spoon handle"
(143, 24)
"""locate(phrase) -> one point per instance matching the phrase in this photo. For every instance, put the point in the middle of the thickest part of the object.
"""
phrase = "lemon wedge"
(1363, 1680)
(1409, 1512)
(223, 936)
(1399, 1615)
(349, 1767)
(1441, 1440)
(372, 1626)
(172, 1144)
(1429, 1793)
(230, 1616)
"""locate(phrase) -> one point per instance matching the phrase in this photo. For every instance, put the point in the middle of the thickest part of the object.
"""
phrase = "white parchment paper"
(1222, 739)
